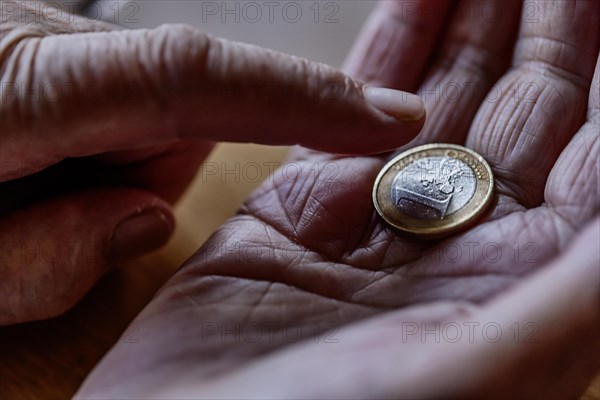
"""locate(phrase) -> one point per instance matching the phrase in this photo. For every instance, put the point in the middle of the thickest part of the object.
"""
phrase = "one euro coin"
(434, 190)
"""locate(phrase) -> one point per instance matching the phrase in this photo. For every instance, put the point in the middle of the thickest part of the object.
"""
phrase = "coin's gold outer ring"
(457, 221)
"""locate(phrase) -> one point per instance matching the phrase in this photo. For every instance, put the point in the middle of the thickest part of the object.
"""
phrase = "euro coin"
(434, 190)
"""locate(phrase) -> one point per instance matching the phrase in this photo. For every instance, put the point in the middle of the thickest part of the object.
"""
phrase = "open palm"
(307, 253)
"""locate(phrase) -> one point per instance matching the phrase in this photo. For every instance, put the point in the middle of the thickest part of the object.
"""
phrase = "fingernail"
(140, 234)
(403, 106)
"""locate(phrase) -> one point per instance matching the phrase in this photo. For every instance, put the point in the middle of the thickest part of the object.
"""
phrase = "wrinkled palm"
(307, 254)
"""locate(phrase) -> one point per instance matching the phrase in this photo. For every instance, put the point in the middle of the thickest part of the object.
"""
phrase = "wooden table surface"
(50, 359)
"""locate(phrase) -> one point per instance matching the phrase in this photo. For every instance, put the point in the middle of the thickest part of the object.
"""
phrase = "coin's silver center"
(433, 187)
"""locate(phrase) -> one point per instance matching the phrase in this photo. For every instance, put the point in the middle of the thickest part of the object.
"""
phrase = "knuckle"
(183, 52)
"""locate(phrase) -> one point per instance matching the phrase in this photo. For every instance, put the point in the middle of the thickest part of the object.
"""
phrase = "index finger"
(134, 89)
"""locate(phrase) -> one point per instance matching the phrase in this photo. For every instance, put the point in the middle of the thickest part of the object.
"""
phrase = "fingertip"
(141, 233)
(400, 133)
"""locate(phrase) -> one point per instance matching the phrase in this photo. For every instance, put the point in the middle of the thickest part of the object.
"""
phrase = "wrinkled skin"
(103, 129)
(307, 250)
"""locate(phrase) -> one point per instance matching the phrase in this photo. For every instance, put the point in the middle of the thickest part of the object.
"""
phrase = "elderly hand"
(307, 255)
(101, 129)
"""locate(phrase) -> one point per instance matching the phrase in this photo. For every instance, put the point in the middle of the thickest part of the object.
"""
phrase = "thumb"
(121, 89)
(55, 250)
